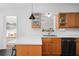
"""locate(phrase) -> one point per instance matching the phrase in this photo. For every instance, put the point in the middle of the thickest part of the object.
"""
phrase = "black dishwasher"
(68, 47)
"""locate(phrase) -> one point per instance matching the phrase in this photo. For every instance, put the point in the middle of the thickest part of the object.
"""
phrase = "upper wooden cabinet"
(77, 20)
(68, 20)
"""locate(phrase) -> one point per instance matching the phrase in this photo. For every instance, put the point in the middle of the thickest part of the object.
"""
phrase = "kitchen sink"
(49, 35)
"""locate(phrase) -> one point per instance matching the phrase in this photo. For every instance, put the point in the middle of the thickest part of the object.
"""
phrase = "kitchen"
(52, 35)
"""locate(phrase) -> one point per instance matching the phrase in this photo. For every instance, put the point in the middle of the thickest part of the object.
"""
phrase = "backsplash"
(68, 32)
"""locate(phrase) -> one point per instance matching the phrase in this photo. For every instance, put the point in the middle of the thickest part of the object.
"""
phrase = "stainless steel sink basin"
(49, 35)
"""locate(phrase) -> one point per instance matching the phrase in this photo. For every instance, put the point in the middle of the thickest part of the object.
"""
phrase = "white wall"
(23, 11)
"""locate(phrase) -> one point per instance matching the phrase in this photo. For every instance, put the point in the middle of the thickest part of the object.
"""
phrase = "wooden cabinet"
(28, 50)
(68, 20)
(77, 47)
(46, 47)
(56, 46)
(51, 46)
(77, 20)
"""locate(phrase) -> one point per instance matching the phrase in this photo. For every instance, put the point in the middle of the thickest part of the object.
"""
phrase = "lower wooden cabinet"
(77, 46)
(56, 46)
(51, 46)
(46, 47)
(28, 50)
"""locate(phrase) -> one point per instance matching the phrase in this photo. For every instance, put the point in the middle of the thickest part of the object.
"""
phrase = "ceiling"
(48, 7)
(23, 5)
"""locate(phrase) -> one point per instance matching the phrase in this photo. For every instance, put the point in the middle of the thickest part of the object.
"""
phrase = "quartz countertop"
(29, 41)
(33, 40)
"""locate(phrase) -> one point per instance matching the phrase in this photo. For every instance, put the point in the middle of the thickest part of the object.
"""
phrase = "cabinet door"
(35, 50)
(22, 50)
(70, 20)
(77, 20)
(77, 47)
(46, 47)
(56, 46)
(28, 50)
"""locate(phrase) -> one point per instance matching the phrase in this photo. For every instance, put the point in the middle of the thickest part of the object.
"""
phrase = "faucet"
(50, 30)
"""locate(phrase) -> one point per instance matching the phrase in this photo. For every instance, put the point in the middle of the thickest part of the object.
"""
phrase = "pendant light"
(32, 15)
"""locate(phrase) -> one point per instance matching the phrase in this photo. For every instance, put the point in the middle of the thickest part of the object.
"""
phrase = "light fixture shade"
(32, 16)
